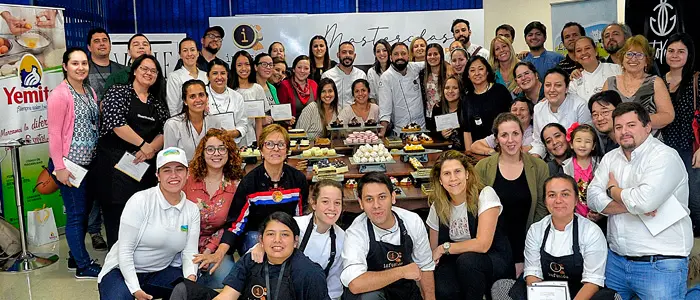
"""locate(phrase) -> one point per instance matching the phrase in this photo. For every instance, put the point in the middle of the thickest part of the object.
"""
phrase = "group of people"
(578, 148)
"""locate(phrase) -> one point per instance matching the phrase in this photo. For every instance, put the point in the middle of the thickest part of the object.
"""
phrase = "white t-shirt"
(591, 240)
(459, 221)
(153, 234)
(356, 244)
(254, 93)
(228, 109)
(318, 249)
(173, 94)
(591, 83)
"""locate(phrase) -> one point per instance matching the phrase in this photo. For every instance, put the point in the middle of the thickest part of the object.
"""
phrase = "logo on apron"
(277, 196)
(258, 292)
(558, 270)
(394, 256)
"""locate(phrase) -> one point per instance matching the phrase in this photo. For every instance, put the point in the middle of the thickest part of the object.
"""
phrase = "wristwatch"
(446, 248)
(608, 191)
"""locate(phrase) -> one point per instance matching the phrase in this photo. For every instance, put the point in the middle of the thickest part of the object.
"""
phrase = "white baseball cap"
(171, 154)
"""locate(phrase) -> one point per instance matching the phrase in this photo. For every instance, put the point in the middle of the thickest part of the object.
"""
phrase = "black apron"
(567, 268)
(383, 256)
(305, 240)
(499, 246)
(143, 119)
(260, 285)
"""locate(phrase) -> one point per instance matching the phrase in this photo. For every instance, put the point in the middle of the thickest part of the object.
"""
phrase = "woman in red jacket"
(298, 89)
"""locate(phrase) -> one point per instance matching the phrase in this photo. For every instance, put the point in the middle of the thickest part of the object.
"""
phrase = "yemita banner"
(32, 43)
(255, 33)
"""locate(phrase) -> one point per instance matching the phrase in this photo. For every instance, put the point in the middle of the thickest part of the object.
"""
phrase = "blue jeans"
(157, 284)
(215, 281)
(77, 208)
(659, 280)
(95, 218)
(693, 187)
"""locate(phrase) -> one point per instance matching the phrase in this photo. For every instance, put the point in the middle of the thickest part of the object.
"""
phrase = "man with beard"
(461, 32)
(100, 46)
(571, 32)
(211, 44)
(344, 74)
(386, 254)
(400, 97)
(138, 45)
(535, 36)
(614, 37)
(601, 106)
(643, 188)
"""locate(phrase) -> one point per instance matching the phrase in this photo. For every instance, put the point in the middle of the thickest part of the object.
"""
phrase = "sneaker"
(98, 243)
(72, 265)
(89, 272)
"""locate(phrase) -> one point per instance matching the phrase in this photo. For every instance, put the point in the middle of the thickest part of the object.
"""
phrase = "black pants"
(112, 213)
(470, 275)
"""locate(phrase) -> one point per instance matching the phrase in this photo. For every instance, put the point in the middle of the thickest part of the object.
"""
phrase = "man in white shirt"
(344, 74)
(400, 97)
(461, 32)
(386, 249)
(643, 187)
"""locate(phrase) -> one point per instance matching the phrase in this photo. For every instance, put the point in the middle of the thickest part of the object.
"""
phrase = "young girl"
(319, 232)
(582, 164)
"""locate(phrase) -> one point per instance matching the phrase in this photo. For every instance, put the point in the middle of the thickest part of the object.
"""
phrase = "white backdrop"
(295, 31)
(163, 45)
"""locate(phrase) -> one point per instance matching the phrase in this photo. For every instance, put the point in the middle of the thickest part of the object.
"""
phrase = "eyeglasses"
(266, 64)
(214, 37)
(523, 74)
(148, 70)
(211, 150)
(603, 114)
(271, 145)
(636, 55)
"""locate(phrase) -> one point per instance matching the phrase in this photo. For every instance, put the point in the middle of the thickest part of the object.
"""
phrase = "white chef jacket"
(573, 109)
(373, 79)
(174, 88)
(343, 82)
(228, 109)
(654, 175)
(400, 97)
(591, 83)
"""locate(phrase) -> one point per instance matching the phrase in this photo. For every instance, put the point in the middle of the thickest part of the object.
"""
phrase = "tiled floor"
(55, 282)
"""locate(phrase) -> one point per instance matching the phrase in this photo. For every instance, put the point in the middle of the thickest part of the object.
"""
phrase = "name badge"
(478, 121)
(183, 228)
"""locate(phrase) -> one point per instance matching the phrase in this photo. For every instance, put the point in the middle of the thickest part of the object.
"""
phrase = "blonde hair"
(495, 63)
(270, 129)
(440, 198)
(641, 42)
(413, 42)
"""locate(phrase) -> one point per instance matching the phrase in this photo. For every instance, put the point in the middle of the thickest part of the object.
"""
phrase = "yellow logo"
(277, 196)
(30, 71)
(247, 36)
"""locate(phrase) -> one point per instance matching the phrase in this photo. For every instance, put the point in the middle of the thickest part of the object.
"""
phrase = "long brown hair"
(316, 189)
(441, 198)
(232, 169)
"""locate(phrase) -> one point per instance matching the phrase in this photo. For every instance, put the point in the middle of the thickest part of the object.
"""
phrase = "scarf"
(304, 93)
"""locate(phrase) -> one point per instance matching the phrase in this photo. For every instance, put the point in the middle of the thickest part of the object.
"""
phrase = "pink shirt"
(213, 210)
(61, 119)
(583, 177)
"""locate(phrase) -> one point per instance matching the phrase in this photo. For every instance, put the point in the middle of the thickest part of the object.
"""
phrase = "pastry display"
(413, 148)
(297, 133)
(372, 154)
(405, 182)
(340, 167)
(371, 122)
(292, 143)
(413, 127)
(350, 184)
(249, 151)
(324, 167)
(318, 152)
(322, 142)
(415, 163)
(425, 139)
(354, 122)
(394, 181)
(304, 144)
(397, 190)
(337, 123)
(413, 139)
(364, 137)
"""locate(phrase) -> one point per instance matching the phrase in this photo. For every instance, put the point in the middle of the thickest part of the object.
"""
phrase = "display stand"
(27, 261)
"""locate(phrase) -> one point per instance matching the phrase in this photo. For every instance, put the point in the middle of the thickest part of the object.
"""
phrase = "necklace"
(627, 86)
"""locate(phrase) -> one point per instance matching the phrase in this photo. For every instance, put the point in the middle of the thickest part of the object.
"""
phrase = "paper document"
(666, 215)
(127, 166)
(548, 290)
(281, 112)
(75, 169)
(255, 108)
(446, 121)
(225, 120)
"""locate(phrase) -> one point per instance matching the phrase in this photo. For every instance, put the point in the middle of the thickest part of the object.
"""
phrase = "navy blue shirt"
(544, 62)
(308, 279)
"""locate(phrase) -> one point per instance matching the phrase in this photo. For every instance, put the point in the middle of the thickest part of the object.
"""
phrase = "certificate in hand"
(76, 170)
(446, 121)
(281, 112)
(255, 108)
(548, 290)
(127, 166)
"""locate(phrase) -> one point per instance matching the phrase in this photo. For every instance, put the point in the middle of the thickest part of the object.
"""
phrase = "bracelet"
(142, 143)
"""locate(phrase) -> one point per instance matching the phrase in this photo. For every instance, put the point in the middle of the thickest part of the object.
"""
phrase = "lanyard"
(279, 281)
(98, 69)
(94, 115)
(214, 100)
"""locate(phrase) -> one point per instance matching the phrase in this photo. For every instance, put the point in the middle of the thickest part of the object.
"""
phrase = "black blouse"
(116, 104)
(679, 134)
(480, 110)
